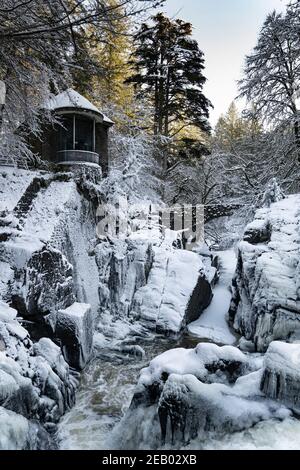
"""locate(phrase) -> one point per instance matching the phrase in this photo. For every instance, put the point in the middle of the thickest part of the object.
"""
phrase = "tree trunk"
(166, 107)
(156, 100)
(297, 137)
(1, 116)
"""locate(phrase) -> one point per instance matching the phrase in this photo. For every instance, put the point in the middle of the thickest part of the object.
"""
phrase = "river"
(107, 386)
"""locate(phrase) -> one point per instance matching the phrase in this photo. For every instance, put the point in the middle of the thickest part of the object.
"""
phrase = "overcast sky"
(226, 31)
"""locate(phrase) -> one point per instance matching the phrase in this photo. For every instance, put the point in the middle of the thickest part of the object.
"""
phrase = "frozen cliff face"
(177, 291)
(124, 267)
(266, 301)
(35, 383)
(187, 394)
(47, 235)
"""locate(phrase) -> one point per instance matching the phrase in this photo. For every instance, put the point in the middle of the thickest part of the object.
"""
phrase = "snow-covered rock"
(35, 383)
(266, 301)
(47, 263)
(18, 433)
(185, 394)
(75, 329)
(156, 285)
(176, 293)
(123, 268)
(281, 377)
(48, 284)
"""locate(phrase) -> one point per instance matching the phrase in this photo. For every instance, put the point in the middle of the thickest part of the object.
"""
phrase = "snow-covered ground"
(212, 324)
(13, 183)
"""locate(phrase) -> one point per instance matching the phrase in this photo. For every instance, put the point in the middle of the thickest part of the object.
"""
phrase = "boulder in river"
(75, 329)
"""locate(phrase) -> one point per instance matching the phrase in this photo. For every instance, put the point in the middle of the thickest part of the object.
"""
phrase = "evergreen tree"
(169, 74)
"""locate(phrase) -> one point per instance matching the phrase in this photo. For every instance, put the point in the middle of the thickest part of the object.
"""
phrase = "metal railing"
(65, 156)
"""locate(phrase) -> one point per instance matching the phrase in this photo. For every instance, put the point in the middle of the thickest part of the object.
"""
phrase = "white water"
(105, 393)
(108, 384)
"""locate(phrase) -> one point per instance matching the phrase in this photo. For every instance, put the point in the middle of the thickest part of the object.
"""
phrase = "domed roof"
(71, 99)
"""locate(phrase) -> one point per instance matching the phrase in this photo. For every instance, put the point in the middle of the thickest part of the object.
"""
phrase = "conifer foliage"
(169, 73)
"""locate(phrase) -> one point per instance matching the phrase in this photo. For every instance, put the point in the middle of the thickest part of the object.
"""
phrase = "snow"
(17, 330)
(8, 316)
(284, 356)
(275, 434)
(47, 212)
(72, 99)
(13, 183)
(212, 324)
(7, 313)
(190, 361)
(281, 379)
(8, 385)
(77, 311)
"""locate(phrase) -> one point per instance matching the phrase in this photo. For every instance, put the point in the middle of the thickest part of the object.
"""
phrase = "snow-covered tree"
(39, 49)
(272, 194)
(272, 72)
(134, 170)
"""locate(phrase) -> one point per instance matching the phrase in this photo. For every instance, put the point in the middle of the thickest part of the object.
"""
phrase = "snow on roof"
(71, 99)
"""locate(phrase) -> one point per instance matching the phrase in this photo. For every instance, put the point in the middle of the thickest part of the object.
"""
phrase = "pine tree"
(169, 74)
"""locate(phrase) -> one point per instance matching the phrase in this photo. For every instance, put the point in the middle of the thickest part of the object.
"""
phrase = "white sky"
(226, 30)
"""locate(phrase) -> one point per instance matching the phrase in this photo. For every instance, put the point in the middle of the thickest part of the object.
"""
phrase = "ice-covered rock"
(18, 433)
(281, 377)
(123, 268)
(176, 293)
(35, 383)
(266, 288)
(14, 429)
(75, 329)
(185, 394)
(46, 256)
(189, 408)
(154, 285)
(48, 284)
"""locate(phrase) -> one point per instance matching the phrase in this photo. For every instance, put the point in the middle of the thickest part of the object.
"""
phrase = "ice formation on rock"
(281, 377)
(266, 301)
(187, 394)
(35, 381)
